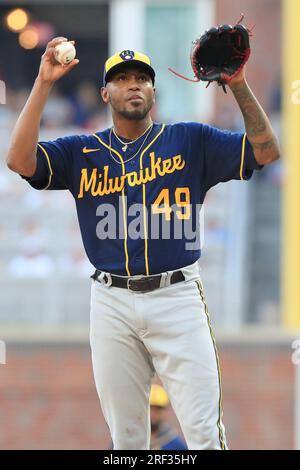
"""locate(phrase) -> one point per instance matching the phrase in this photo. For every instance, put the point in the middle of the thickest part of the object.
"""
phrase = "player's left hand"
(220, 54)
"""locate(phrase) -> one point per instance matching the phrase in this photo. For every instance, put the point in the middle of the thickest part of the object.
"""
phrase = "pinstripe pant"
(134, 335)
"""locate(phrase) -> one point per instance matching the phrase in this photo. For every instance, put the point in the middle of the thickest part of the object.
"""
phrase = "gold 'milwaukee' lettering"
(99, 183)
(103, 187)
(155, 166)
(167, 165)
(85, 183)
(146, 175)
(179, 163)
(133, 178)
(112, 185)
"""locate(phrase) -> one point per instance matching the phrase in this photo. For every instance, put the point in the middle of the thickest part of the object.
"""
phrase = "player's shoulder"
(86, 141)
(203, 131)
(185, 132)
(184, 127)
(95, 136)
(102, 135)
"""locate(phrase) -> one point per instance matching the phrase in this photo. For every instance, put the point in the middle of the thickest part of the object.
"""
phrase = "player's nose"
(133, 83)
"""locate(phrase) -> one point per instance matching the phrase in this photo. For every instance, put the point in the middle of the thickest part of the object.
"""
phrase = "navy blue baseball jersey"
(138, 209)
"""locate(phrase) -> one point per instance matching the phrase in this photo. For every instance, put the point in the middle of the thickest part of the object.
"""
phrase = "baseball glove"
(220, 53)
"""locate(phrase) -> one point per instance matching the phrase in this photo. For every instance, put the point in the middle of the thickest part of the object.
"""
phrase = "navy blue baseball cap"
(116, 62)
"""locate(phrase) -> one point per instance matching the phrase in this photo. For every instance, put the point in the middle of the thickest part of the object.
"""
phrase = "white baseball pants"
(132, 335)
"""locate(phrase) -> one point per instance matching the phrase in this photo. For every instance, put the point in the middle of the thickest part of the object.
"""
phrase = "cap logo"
(127, 55)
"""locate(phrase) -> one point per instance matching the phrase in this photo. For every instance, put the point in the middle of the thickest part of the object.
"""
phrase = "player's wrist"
(236, 84)
(43, 83)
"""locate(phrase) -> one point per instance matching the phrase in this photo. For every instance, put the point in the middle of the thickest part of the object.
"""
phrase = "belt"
(142, 284)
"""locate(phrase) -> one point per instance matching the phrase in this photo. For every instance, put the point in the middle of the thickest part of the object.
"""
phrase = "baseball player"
(148, 311)
(162, 435)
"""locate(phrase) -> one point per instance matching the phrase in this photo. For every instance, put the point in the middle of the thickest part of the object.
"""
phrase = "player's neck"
(131, 129)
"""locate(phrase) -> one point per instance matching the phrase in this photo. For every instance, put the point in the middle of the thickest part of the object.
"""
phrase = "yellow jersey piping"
(144, 201)
(221, 437)
(243, 157)
(123, 203)
(49, 165)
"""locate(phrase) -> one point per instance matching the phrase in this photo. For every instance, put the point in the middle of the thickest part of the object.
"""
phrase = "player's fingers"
(68, 67)
(51, 44)
(49, 56)
(50, 49)
(49, 52)
(72, 64)
(56, 41)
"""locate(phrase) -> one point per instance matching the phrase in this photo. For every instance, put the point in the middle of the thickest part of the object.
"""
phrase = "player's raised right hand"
(50, 70)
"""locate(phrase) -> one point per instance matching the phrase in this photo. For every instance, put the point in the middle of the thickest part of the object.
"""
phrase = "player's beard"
(137, 114)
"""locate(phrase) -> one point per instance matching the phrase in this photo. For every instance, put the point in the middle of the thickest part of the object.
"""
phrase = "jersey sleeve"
(227, 156)
(54, 168)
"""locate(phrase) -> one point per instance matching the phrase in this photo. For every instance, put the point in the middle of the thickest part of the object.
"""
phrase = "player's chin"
(135, 113)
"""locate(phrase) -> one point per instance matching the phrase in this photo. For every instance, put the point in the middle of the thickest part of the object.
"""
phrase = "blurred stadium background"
(48, 397)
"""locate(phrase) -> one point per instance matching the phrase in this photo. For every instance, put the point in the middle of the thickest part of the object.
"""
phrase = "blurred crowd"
(27, 248)
(226, 119)
(82, 109)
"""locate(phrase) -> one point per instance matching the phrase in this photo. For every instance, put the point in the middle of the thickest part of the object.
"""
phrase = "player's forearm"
(258, 127)
(21, 156)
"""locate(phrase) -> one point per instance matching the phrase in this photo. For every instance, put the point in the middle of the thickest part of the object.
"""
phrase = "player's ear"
(154, 94)
(105, 95)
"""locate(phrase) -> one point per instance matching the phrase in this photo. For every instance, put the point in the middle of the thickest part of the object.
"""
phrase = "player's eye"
(121, 77)
(143, 78)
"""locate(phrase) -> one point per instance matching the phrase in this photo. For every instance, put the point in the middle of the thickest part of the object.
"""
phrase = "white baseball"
(65, 52)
